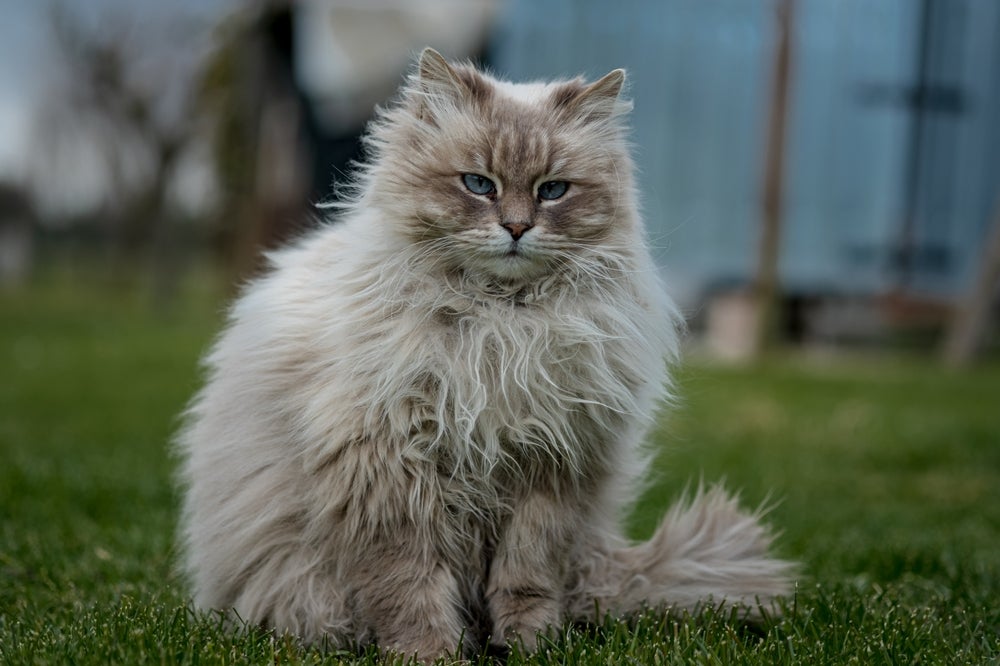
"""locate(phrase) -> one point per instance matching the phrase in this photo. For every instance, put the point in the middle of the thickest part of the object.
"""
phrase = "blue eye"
(552, 190)
(479, 184)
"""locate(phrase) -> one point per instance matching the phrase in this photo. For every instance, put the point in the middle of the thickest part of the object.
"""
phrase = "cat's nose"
(516, 229)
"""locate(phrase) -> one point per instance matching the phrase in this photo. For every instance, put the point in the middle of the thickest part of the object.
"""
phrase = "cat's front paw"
(426, 651)
(521, 614)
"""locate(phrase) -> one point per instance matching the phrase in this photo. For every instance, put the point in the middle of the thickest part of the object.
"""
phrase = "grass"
(886, 475)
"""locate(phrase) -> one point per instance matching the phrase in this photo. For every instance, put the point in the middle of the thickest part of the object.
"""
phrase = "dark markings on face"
(520, 145)
(566, 93)
(479, 90)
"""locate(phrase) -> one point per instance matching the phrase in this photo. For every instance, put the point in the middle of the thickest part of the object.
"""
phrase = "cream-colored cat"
(425, 424)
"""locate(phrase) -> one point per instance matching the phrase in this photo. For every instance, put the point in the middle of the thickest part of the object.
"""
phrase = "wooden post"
(765, 286)
(967, 327)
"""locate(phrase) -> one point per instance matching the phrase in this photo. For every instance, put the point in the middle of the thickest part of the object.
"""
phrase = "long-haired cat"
(423, 426)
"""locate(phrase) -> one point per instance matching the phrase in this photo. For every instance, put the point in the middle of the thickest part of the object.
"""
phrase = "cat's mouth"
(513, 261)
(518, 249)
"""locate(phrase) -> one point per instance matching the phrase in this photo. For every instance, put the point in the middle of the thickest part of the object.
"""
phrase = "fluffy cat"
(424, 425)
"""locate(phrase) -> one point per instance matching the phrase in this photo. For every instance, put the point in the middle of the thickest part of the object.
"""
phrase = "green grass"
(885, 475)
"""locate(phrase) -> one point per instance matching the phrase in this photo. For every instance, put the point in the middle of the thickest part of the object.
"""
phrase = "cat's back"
(273, 357)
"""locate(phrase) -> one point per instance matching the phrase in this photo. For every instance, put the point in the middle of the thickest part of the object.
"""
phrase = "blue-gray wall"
(701, 77)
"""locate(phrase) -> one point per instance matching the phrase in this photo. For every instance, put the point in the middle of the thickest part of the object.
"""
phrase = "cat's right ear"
(438, 81)
(435, 74)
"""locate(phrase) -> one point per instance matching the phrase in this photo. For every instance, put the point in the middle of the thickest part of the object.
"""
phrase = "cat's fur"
(410, 436)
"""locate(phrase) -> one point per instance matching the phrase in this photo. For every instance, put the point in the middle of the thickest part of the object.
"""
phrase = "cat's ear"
(602, 95)
(597, 101)
(435, 74)
(438, 80)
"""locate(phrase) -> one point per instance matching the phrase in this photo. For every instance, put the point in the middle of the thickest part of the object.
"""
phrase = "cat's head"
(508, 181)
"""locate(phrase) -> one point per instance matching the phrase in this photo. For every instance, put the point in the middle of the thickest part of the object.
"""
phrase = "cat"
(423, 426)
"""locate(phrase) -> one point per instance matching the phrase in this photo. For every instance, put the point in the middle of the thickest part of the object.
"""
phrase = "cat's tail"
(706, 550)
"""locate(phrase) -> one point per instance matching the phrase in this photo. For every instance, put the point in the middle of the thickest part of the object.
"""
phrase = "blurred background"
(817, 173)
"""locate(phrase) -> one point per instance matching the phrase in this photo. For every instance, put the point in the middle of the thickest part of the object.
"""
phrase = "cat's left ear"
(597, 101)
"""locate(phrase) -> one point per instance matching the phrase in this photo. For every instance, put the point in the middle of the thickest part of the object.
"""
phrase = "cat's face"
(508, 181)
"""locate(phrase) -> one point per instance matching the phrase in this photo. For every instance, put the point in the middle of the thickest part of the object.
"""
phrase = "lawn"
(884, 475)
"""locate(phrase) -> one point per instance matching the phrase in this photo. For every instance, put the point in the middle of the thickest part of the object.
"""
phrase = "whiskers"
(435, 267)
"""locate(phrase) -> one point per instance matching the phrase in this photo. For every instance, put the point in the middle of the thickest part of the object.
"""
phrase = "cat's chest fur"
(539, 384)
(528, 385)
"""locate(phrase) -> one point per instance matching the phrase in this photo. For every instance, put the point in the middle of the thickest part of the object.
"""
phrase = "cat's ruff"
(410, 435)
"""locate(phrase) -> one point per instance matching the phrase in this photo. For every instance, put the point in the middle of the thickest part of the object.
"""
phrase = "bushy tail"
(706, 550)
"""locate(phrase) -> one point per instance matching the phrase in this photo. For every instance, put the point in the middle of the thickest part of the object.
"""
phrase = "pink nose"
(516, 229)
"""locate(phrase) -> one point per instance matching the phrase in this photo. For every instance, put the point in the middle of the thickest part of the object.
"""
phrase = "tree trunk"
(972, 316)
(765, 285)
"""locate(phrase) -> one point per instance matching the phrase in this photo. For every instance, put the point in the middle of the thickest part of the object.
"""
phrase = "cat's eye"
(552, 190)
(479, 184)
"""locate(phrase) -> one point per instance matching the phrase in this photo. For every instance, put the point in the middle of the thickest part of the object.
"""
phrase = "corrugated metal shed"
(893, 160)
